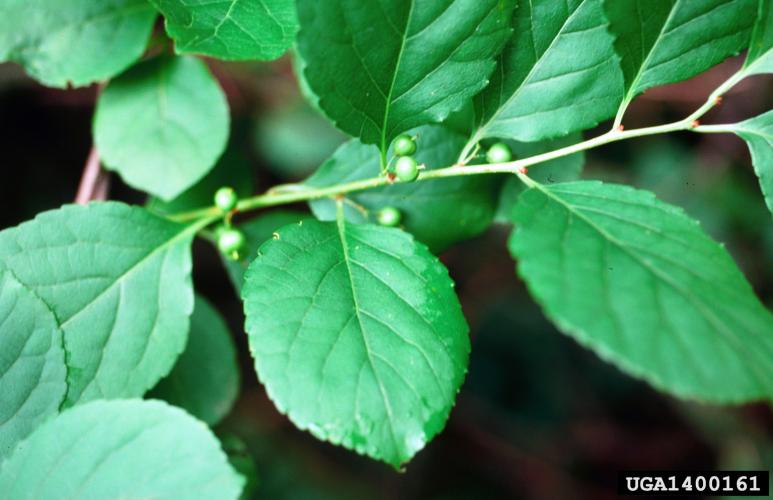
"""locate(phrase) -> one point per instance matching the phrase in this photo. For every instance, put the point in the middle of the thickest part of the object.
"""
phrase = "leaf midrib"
(392, 84)
(341, 226)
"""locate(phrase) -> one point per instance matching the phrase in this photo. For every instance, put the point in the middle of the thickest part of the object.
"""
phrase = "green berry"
(226, 199)
(404, 145)
(389, 216)
(406, 169)
(499, 153)
(230, 241)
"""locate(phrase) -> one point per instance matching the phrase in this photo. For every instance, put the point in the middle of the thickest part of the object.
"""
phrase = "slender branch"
(95, 182)
(712, 101)
(518, 167)
(513, 167)
(715, 129)
(716, 96)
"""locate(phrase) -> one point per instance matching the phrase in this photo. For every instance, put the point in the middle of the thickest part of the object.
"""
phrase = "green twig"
(518, 167)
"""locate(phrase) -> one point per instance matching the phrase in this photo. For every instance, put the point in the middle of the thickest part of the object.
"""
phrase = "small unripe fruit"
(499, 153)
(389, 216)
(406, 169)
(404, 145)
(226, 199)
(230, 241)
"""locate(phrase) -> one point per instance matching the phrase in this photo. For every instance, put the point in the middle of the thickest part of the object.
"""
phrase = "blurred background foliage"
(538, 416)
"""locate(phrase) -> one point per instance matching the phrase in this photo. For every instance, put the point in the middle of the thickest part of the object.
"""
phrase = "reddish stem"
(95, 182)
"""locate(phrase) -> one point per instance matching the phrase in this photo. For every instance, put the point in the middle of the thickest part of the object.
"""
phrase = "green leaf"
(381, 68)
(120, 449)
(758, 134)
(230, 29)
(257, 231)
(232, 170)
(74, 42)
(162, 125)
(295, 140)
(205, 380)
(558, 74)
(117, 278)
(667, 41)
(759, 59)
(563, 169)
(357, 335)
(241, 460)
(640, 283)
(32, 370)
(438, 213)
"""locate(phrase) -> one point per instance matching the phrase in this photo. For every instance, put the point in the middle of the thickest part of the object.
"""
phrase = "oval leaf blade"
(74, 42)
(117, 278)
(667, 41)
(544, 87)
(120, 449)
(640, 283)
(162, 125)
(411, 62)
(357, 335)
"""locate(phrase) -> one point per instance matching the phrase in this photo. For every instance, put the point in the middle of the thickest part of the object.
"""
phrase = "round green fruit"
(404, 145)
(226, 199)
(499, 153)
(389, 216)
(230, 241)
(406, 169)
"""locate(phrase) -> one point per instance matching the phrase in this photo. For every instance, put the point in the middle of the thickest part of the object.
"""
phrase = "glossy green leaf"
(162, 125)
(117, 278)
(295, 140)
(120, 449)
(32, 370)
(759, 59)
(74, 42)
(230, 29)
(640, 283)
(438, 212)
(563, 169)
(242, 461)
(357, 335)
(205, 380)
(758, 134)
(667, 41)
(381, 68)
(257, 231)
(558, 74)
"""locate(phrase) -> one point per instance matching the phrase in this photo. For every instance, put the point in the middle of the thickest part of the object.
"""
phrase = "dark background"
(538, 416)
